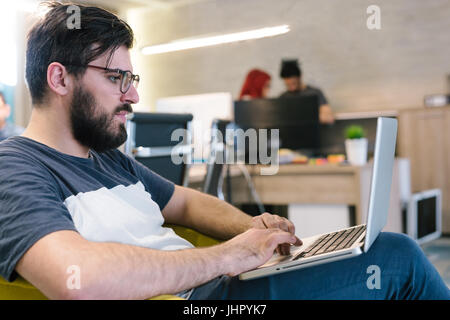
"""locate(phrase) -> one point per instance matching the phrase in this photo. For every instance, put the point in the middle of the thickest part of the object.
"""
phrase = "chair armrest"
(19, 289)
(196, 238)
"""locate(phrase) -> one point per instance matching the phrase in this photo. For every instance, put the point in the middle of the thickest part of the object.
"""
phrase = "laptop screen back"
(381, 179)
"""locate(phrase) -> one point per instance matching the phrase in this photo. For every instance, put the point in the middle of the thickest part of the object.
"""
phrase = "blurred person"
(256, 85)
(7, 129)
(292, 77)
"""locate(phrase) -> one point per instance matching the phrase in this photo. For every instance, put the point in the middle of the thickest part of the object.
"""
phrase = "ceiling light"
(184, 44)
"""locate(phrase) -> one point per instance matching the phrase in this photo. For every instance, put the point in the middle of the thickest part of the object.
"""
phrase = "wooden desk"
(300, 183)
(297, 183)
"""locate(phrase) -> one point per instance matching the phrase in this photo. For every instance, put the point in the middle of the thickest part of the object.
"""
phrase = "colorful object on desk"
(300, 160)
(321, 161)
(290, 156)
(317, 161)
(336, 158)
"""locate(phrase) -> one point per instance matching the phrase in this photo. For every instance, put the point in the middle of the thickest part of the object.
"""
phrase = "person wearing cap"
(292, 77)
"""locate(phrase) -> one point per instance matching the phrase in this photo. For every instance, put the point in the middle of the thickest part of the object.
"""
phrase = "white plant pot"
(356, 151)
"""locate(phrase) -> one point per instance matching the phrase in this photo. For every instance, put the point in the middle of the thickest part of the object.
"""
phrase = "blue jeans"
(404, 273)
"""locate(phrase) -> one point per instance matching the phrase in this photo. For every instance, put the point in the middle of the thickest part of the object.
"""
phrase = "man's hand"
(269, 221)
(253, 248)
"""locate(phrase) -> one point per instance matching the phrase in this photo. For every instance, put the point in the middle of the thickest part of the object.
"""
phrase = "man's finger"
(281, 237)
(274, 221)
(298, 242)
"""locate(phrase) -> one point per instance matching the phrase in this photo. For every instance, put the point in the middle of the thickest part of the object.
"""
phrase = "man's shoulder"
(21, 163)
(13, 145)
(16, 151)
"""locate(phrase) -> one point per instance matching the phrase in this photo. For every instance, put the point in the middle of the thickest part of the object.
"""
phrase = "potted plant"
(356, 145)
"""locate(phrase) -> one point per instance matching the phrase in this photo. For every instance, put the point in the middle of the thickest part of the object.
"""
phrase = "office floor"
(438, 252)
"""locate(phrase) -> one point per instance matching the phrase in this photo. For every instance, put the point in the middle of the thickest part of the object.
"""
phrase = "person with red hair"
(256, 85)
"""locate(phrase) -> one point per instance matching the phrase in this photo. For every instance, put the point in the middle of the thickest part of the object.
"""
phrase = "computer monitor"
(297, 119)
(424, 216)
(205, 108)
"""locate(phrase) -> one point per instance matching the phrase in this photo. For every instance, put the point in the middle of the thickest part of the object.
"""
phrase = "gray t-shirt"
(307, 91)
(108, 197)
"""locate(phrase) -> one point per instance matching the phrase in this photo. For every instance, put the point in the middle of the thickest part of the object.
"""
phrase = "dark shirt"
(108, 197)
(307, 91)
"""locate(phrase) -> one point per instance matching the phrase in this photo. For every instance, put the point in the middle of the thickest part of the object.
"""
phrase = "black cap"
(290, 68)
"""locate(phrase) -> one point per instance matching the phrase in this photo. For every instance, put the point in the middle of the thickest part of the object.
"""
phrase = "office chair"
(162, 142)
(216, 161)
(223, 140)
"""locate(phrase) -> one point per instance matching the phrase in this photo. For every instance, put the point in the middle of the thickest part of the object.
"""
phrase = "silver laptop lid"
(380, 188)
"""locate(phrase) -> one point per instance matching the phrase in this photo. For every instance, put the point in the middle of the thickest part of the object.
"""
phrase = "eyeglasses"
(126, 77)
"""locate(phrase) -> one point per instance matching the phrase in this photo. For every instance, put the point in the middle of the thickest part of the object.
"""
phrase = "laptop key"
(334, 241)
(348, 242)
(316, 243)
(330, 242)
(344, 236)
(326, 242)
(320, 245)
(356, 236)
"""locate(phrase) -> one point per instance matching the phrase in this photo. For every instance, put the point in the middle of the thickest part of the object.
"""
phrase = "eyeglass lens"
(127, 80)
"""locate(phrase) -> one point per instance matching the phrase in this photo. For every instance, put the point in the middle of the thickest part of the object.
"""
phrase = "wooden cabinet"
(424, 138)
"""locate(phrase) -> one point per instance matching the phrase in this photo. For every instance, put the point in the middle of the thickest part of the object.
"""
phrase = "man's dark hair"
(52, 40)
(290, 68)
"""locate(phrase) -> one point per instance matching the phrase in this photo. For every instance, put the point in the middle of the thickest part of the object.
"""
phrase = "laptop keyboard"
(333, 241)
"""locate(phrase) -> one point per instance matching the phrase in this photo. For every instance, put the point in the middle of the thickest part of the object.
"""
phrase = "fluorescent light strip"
(215, 40)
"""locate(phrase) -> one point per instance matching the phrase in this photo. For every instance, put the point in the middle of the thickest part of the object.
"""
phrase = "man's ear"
(58, 79)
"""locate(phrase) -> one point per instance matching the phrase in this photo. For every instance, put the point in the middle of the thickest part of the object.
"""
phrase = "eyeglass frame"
(134, 77)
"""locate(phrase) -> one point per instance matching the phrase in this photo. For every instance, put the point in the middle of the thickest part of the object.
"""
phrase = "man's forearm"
(120, 271)
(215, 217)
(117, 271)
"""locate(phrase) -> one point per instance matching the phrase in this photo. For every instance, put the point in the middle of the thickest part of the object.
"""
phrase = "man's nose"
(131, 96)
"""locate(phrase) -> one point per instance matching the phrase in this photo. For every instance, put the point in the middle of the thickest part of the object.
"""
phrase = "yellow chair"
(20, 289)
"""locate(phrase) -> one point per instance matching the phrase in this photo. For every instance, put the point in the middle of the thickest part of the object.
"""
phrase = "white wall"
(358, 69)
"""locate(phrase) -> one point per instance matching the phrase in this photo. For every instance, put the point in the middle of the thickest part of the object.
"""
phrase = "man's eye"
(114, 78)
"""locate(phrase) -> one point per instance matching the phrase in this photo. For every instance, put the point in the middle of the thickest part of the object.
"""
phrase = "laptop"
(353, 241)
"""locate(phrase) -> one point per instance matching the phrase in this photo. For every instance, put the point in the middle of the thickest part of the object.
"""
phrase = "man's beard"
(92, 128)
